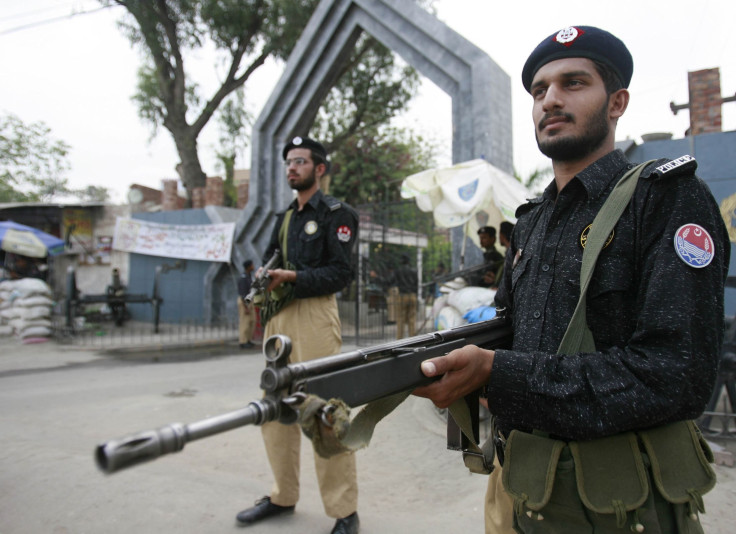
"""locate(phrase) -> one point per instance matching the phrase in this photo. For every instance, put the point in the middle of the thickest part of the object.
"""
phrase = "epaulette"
(332, 203)
(526, 208)
(670, 168)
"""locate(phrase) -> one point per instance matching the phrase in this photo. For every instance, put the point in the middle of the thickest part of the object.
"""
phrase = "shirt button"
(545, 267)
(537, 314)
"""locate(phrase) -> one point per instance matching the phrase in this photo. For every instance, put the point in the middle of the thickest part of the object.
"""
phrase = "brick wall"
(170, 196)
(198, 197)
(705, 101)
(214, 191)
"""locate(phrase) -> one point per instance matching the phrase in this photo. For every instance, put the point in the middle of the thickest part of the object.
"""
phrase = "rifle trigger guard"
(294, 399)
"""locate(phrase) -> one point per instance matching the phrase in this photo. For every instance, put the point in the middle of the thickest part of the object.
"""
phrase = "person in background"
(246, 312)
(406, 280)
(315, 235)
(505, 230)
(492, 258)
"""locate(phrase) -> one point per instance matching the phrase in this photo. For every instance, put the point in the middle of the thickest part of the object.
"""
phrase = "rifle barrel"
(118, 454)
(358, 377)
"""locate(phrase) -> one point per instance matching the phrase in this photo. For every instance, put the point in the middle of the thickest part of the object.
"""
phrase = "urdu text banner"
(205, 242)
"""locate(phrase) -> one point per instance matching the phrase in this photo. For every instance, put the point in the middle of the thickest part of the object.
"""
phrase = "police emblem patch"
(344, 233)
(694, 245)
(567, 36)
(310, 227)
(586, 231)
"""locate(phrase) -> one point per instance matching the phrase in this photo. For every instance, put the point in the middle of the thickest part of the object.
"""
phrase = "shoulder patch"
(664, 168)
(694, 245)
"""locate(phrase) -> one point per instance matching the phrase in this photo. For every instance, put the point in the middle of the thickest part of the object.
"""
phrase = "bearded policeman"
(315, 236)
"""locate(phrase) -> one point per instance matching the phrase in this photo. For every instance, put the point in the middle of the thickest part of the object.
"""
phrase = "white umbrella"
(473, 193)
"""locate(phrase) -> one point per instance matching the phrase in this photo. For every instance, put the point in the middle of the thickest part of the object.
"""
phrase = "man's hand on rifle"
(280, 276)
(463, 371)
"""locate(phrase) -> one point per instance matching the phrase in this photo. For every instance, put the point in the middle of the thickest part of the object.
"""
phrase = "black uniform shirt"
(657, 322)
(319, 242)
(406, 279)
(492, 257)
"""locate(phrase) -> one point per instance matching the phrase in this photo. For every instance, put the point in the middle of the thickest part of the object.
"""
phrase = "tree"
(234, 122)
(92, 193)
(371, 89)
(32, 163)
(370, 166)
(246, 34)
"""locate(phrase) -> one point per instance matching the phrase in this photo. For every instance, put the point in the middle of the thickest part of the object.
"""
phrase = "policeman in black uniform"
(315, 236)
(602, 440)
(492, 258)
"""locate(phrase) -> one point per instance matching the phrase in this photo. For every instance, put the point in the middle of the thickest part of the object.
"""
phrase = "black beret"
(490, 230)
(580, 41)
(305, 142)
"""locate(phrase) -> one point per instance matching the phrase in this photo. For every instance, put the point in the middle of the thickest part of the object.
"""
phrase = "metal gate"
(388, 232)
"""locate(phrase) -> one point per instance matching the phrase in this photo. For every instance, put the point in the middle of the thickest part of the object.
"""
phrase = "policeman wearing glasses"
(315, 235)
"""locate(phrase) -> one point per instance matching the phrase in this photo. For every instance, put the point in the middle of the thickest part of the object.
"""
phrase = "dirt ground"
(59, 402)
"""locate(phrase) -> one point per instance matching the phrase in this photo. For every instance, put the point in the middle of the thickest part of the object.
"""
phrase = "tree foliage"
(235, 122)
(32, 162)
(33, 165)
(369, 167)
(370, 90)
(245, 33)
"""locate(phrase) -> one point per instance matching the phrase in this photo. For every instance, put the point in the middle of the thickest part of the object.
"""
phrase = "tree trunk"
(190, 170)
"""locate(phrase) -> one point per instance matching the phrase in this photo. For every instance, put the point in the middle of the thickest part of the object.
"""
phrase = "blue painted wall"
(716, 157)
(182, 291)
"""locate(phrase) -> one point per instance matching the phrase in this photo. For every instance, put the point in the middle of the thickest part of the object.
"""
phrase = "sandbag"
(469, 298)
(448, 317)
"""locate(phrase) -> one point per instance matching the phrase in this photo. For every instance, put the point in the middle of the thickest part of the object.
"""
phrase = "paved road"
(57, 403)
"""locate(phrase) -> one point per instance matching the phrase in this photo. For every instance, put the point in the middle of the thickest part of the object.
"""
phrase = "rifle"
(459, 274)
(262, 278)
(357, 377)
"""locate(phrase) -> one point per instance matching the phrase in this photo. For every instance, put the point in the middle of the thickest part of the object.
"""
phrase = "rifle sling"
(578, 337)
(349, 436)
(280, 296)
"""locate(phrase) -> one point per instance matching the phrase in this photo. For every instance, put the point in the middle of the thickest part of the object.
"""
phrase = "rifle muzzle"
(131, 450)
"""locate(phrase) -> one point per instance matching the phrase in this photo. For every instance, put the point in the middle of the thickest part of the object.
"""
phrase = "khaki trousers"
(407, 314)
(247, 321)
(392, 304)
(313, 325)
(499, 506)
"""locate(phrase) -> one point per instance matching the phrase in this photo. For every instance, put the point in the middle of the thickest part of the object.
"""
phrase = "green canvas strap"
(283, 234)
(578, 337)
(348, 435)
(283, 294)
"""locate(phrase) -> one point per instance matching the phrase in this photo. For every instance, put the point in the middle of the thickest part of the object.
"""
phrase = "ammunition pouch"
(614, 474)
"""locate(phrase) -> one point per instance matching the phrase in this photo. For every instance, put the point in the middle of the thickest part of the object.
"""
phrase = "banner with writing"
(205, 242)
